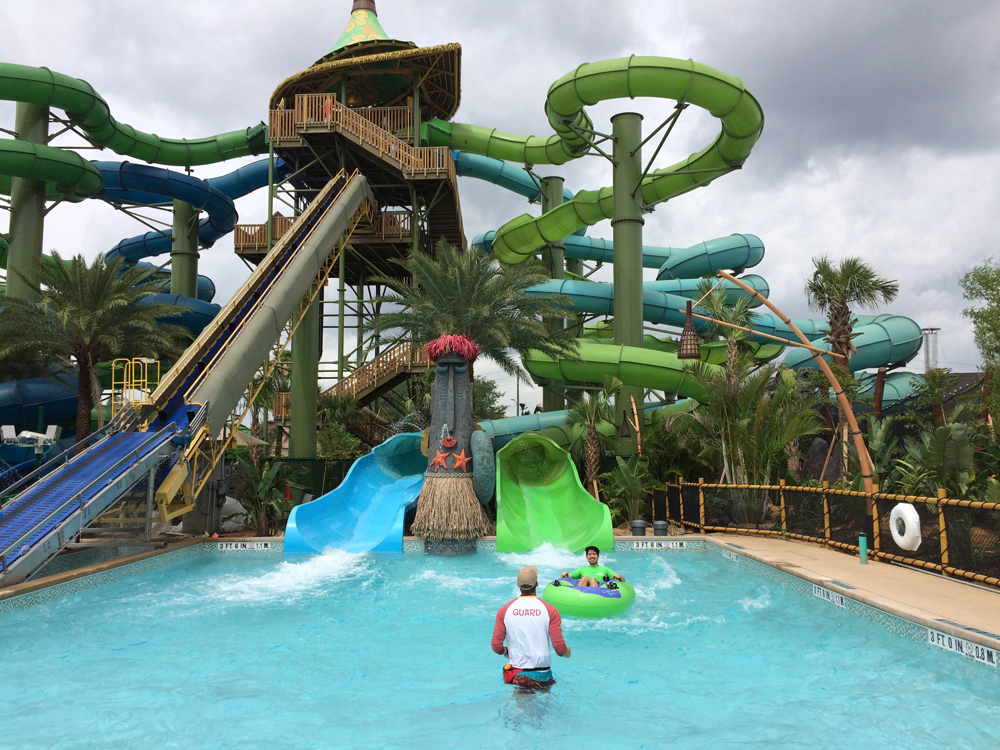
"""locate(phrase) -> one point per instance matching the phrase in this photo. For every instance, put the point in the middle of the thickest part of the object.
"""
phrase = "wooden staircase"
(382, 374)
(376, 131)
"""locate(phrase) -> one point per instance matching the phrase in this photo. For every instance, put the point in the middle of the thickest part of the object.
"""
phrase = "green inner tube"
(577, 602)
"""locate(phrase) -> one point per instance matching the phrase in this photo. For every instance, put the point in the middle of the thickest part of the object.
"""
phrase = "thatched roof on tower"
(376, 71)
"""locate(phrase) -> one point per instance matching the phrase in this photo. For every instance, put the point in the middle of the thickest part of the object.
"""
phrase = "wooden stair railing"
(397, 360)
(322, 112)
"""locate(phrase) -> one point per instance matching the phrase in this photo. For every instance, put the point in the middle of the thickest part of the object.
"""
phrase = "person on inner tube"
(593, 574)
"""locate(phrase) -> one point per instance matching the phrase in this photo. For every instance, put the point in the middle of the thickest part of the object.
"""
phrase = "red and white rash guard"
(528, 623)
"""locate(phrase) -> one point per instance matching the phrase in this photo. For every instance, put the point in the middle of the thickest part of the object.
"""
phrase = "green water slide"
(540, 499)
(722, 95)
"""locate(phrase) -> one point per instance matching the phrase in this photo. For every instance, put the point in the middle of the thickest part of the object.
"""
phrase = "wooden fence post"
(666, 500)
(682, 501)
(942, 532)
(781, 501)
(701, 503)
(826, 511)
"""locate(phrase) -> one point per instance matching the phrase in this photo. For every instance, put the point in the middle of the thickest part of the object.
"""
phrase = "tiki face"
(451, 428)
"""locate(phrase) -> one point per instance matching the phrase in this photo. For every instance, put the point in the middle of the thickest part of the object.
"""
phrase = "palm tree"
(472, 294)
(834, 289)
(463, 305)
(87, 315)
(715, 303)
(593, 410)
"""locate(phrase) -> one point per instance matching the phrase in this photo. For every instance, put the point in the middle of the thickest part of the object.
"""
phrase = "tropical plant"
(473, 295)
(263, 492)
(85, 315)
(748, 417)
(835, 288)
(941, 458)
(337, 415)
(883, 447)
(674, 452)
(718, 304)
(627, 486)
(594, 410)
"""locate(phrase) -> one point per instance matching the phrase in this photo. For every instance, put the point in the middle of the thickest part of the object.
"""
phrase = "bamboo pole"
(810, 347)
(842, 401)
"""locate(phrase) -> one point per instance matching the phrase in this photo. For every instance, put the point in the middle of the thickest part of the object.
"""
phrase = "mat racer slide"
(194, 399)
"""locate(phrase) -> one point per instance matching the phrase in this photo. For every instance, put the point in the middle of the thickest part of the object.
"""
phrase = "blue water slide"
(883, 340)
(139, 183)
(367, 511)
(21, 400)
(502, 174)
(736, 252)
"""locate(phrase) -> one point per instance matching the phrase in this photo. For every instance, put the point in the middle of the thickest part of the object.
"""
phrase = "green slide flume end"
(540, 499)
(722, 95)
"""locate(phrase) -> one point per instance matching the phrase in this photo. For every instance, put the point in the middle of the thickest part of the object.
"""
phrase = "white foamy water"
(551, 562)
(663, 577)
(292, 580)
(761, 601)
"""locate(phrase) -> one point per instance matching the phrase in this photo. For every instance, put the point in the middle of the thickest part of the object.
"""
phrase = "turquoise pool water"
(247, 650)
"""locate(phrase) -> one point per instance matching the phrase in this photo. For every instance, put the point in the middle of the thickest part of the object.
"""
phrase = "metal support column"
(150, 503)
(305, 384)
(554, 394)
(341, 311)
(184, 251)
(416, 109)
(27, 206)
(361, 318)
(270, 195)
(627, 236)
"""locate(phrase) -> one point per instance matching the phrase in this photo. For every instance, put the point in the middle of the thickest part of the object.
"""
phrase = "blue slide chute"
(367, 511)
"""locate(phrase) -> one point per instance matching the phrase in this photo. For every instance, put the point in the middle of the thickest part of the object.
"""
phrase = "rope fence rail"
(959, 538)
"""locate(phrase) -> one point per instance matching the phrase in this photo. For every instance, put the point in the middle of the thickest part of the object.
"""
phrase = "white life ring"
(905, 526)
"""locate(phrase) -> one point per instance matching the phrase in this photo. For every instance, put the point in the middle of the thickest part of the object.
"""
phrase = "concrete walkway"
(946, 605)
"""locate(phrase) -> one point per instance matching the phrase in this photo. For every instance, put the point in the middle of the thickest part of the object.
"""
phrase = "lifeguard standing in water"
(528, 624)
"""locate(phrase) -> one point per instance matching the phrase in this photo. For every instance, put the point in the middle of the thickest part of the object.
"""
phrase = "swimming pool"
(239, 650)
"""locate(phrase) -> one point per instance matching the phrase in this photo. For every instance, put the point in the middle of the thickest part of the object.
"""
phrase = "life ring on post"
(905, 526)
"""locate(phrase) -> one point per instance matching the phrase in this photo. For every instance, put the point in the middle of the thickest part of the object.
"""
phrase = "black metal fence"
(320, 475)
(959, 538)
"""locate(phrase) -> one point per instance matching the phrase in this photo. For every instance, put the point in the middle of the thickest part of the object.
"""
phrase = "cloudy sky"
(880, 138)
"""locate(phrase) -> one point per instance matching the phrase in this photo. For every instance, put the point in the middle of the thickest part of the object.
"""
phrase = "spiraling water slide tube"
(70, 177)
(883, 340)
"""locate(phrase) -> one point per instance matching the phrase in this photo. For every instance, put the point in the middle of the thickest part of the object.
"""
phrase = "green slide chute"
(722, 95)
(540, 499)
(91, 114)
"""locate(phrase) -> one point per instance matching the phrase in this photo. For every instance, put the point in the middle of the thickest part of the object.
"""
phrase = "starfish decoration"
(440, 460)
(461, 460)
